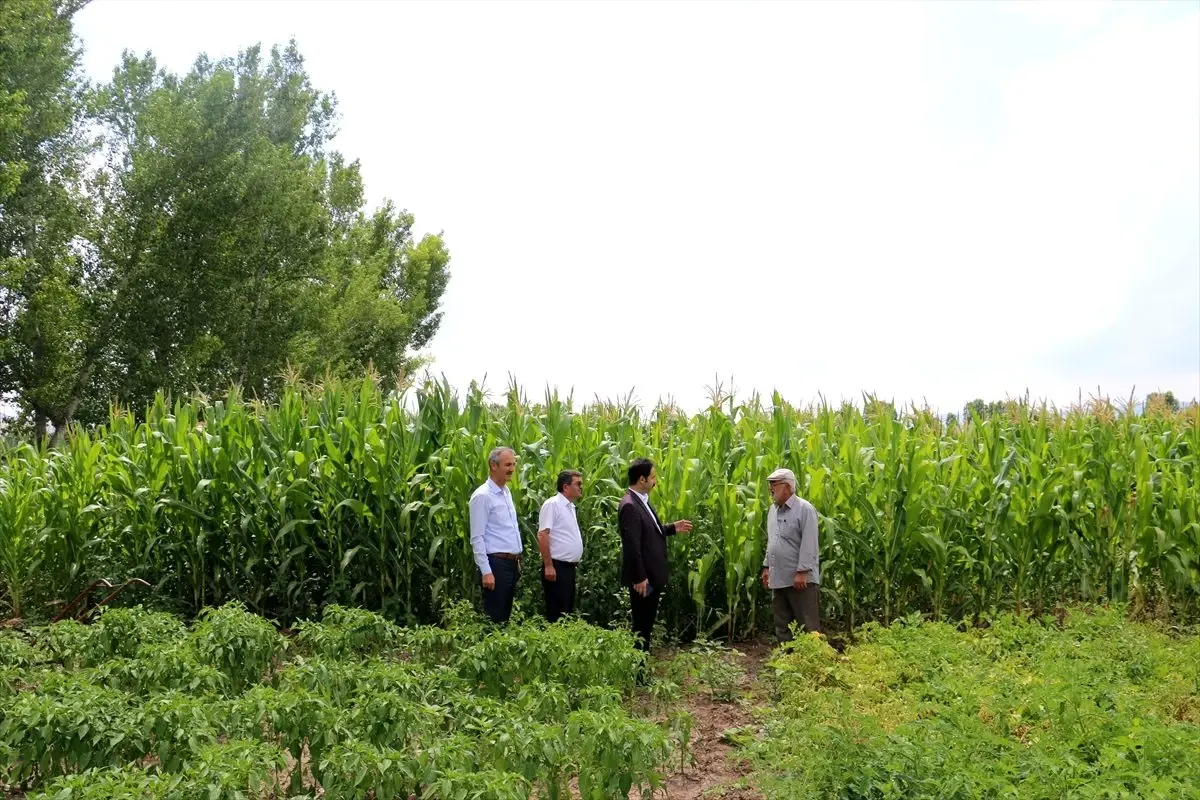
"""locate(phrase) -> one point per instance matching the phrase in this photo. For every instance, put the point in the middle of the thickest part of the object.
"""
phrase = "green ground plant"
(136, 705)
(1083, 705)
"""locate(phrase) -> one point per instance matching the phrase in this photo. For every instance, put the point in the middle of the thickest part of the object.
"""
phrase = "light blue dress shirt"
(493, 524)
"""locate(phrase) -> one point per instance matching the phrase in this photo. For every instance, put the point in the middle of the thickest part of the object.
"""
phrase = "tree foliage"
(216, 239)
(42, 147)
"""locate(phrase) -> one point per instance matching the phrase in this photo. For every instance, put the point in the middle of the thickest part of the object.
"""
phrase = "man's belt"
(507, 556)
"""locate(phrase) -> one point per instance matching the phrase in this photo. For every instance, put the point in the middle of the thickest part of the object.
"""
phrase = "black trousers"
(643, 611)
(560, 592)
(498, 602)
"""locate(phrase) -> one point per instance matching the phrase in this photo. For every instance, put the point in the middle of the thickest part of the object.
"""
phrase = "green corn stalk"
(348, 493)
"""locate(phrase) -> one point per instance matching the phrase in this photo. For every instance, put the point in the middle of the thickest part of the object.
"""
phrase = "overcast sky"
(928, 201)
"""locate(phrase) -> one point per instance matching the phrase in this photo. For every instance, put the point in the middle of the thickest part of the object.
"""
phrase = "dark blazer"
(643, 543)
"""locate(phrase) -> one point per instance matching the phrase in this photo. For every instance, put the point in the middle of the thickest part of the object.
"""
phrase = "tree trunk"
(63, 420)
(102, 335)
(259, 279)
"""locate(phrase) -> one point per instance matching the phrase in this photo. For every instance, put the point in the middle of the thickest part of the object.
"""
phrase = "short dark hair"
(640, 468)
(566, 477)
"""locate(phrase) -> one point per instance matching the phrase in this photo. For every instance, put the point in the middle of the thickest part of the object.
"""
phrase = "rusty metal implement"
(78, 608)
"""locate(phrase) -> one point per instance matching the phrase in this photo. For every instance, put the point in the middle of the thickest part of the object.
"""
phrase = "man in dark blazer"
(644, 549)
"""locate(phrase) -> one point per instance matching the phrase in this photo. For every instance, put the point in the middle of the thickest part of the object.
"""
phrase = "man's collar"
(494, 488)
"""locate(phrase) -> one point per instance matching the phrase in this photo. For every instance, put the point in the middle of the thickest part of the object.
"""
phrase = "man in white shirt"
(495, 537)
(561, 545)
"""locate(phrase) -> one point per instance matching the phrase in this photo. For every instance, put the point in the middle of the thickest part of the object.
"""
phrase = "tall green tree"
(213, 220)
(378, 298)
(225, 240)
(42, 150)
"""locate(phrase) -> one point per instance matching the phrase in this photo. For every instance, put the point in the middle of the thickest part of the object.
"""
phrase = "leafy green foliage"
(706, 666)
(17, 651)
(180, 725)
(67, 729)
(465, 785)
(681, 723)
(163, 668)
(73, 644)
(341, 680)
(298, 719)
(237, 770)
(172, 232)
(43, 145)
(122, 632)
(347, 632)
(38, 98)
(224, 710)
(238, 643)
(615, 752)
(110, 783)
(573, 653)
(21, 664)
(1088, 705)
(356, 769)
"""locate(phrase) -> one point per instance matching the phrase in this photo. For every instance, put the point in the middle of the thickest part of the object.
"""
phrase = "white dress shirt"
(558, 517)
(645, 498)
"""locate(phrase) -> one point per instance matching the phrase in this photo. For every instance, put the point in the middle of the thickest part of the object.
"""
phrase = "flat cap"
(782, 474)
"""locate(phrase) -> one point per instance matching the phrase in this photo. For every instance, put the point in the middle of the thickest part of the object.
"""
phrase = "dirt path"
(718, 772)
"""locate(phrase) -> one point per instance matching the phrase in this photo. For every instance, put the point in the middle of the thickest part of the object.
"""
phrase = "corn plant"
(348, 495)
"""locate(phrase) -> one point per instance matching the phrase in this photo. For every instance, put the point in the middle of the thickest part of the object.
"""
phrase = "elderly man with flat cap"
(791, 566)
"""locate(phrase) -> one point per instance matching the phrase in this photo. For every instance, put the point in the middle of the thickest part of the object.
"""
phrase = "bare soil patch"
(718, 771)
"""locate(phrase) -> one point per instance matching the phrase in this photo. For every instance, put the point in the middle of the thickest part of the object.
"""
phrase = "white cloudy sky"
(929, 201)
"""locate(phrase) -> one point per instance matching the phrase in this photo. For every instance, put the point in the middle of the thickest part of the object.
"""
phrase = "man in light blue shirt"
(495, 537)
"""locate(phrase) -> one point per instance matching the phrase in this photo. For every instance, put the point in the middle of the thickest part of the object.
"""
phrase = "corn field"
(345, 493)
